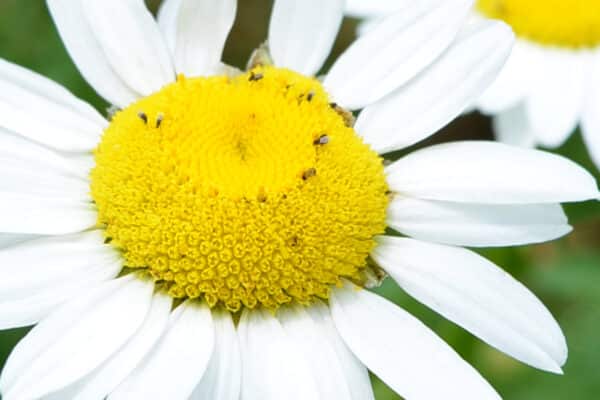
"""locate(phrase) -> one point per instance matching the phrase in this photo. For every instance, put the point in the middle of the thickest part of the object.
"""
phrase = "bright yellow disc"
(564, 23)
(243, 191)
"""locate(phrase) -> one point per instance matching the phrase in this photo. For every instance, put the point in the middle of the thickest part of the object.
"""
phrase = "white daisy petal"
(556, 99)
(374, 8)
(394, 52)
(403, 352)
(18, 151)
(512, 126)
(223, 377)
(132, 43)
(179, 359)
(490, 173)
(477, 225)
(273, 368)
(302, 33)
(87, 53)
(514, 80)
(19, 179)
(590, 123)
(44, 112)
(39, 215)
(196, 32)
(477, 295)
(73, 340)
(357, 376)
(311, 339)
(417, 110)
(101, 382)
(10, 239)
(44, 272)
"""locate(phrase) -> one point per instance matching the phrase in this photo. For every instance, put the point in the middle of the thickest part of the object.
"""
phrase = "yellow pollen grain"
(572, 24)
(246, 192)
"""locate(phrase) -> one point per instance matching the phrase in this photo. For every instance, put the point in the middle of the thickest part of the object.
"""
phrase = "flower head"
(217, 236)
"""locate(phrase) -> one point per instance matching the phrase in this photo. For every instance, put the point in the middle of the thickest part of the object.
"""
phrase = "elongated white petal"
(195, 31)
(512, 127)
(556, 100)
(302, 32)
(74, 340)
(311, 339)
(394, 52)
(42, 273)
(23, 153)
(223, 377)
(477, 295)
(590, 123)
(273, 368)
(104, 380)
(42, 111)
(439, 94)
(10, 239)
(402, 351)
(490, 173)
(178, 361)
(357, 376)
(87, 53)
(38, 215)
(374, 8)
(132, 42)
(19, 179)
(477, 225)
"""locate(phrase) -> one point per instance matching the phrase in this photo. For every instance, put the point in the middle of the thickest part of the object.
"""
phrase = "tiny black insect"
(143, 117)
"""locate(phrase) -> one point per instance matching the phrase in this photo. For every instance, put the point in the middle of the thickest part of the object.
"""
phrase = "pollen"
(251, 191)
(571, 24)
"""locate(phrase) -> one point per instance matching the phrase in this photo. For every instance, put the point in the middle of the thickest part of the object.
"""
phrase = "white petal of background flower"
(37, 215)
(513, 82)
(195, 31)
(590, 123)
(178, 360)
(273, 367)
(556, 100)
(490, 173)
(39, 366)
(403, 352)
(302, 33)
(477, 295)
(134, 46)
(223, 377)
(42, 111)
(394, 52)
(357, 376)
(310, 338)
(86, 52)
(440, 93)
(512, 126)
(108, 376)
(477, 225)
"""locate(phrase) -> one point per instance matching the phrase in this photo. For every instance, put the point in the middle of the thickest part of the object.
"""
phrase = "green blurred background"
(565, 274)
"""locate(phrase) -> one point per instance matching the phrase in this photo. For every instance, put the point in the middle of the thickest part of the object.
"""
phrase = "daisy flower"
(550, 83)
(217, 236)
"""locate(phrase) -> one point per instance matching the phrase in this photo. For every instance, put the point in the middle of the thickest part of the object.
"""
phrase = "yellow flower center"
(564, 23)
(244, 191)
